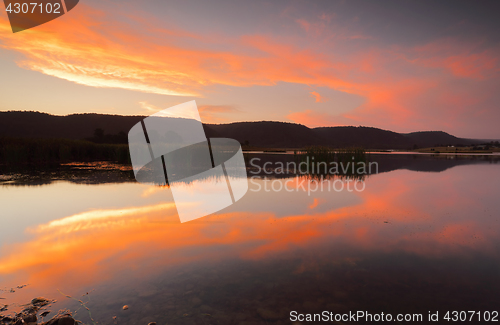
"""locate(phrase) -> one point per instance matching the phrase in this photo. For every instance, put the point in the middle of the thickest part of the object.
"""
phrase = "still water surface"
(422, 236)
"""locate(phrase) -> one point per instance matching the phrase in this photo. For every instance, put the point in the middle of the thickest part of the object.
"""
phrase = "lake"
(421, 236)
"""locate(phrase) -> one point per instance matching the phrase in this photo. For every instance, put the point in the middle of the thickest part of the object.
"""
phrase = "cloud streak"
(317, 97)
(406, 87)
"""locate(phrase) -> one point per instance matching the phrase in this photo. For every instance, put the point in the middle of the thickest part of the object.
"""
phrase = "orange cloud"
(318, 98)
(90, 48)
(75, 51)
(149, 107)
(462, 60)
(400, 85)
(314, 204)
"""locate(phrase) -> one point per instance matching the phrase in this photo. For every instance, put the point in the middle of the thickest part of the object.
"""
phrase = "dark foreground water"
(421, 236)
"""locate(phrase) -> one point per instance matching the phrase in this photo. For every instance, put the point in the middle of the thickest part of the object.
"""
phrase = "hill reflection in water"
(410, 242)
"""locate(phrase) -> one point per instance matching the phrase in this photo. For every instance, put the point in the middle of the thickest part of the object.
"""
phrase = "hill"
(439, 138)
(267, 134)
(258, 134)
(75, 126)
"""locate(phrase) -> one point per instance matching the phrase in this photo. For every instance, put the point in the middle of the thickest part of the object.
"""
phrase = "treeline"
(263, 134)
(101, 137)
(27, 151)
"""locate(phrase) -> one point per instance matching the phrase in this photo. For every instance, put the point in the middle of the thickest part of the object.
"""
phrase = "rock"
(45, 313)
(30, 319)
(40, 302)
(6, 319)
(28, 316)
(125, 307)
(31, 310)
(18, 321)
(66, 320)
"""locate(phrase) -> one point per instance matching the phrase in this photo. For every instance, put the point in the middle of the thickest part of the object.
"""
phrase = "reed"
(355, 155)
(318, 156)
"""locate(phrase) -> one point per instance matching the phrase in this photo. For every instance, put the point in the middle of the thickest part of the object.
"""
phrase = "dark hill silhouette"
(75, 126)
(268, 134)
(423, 138)
(349, 136)
(256, 134)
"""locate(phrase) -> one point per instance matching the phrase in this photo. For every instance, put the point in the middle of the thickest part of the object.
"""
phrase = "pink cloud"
(317, 97)
(460, 59)
(440, 84)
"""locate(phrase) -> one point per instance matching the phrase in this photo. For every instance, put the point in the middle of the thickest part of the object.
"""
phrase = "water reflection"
(410, 242)
(105, 172)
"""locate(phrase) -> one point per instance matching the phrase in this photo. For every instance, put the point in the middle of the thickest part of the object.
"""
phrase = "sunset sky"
(398, 65)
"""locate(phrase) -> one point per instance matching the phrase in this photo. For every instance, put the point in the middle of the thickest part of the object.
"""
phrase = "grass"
(325, 156)
(19, 153)
(351, 155)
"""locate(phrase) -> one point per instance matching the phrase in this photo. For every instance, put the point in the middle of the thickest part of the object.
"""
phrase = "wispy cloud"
(79, 53)
(317, 97)
(116, 56)
(149, 107)
(405, 87)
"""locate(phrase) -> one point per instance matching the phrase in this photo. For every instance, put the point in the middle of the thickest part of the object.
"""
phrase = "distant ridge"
(257, 134)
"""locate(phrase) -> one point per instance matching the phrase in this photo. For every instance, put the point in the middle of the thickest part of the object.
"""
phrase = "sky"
(400, 65)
